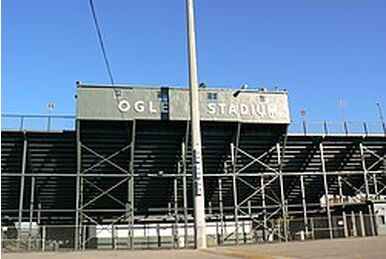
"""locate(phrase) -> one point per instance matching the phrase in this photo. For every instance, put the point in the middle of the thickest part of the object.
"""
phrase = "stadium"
(120, 176)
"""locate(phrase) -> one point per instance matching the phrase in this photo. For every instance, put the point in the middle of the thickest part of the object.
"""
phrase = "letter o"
(124, 106)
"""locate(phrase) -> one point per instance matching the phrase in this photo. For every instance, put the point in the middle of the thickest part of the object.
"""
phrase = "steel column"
(372, 225)
(31, 210)
(22, 183)
(234, 150)
(345, 230)
(263, 203)
(176, 219)
(375, 183)
(304, 204)
(130, 197)
(235, 200)
(363, 160)
(221, 207)
(280, 158)
(43, 238)
(325, 183)
(362, 223)
(78, 183)
(353, 223)
(340, 187)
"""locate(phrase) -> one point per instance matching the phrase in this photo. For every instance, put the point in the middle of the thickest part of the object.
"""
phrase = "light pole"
(381, 117)
(197, 170)
(303, 113)
(51, 107)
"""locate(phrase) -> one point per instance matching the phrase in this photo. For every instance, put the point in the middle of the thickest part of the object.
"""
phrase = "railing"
(344, 128)
(67, 122)
(37, 122)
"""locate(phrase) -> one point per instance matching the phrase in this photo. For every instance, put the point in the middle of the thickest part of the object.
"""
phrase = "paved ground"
(369, 247)
(340, 248)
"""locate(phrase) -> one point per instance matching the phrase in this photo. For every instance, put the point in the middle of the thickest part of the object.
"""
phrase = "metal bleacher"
(111, 172)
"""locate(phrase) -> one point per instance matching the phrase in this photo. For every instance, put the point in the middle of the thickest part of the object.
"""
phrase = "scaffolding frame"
(271, 218)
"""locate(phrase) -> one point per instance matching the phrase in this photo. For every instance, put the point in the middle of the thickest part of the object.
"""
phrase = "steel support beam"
(235, 199)
(130, 187)
(325, 184)
(363, 161)
(78, 184)
(234, 151)
(172, 175)
(176, 217)
(263, 204)
(31, 211)
(304, 205)
(22, 183)
(221, 208)
(280, 156)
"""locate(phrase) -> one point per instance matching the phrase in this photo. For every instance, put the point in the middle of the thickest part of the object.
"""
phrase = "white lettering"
(139, 106)
(260, 110)
(233, 110)
(124, 106)
(244, 109)
(151, 108)
(222, 108)
(211, 108)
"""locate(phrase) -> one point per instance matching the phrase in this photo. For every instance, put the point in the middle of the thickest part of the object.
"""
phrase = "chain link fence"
(173, 235)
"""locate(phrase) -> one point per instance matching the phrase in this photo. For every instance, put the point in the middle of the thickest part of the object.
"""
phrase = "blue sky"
(320, 51)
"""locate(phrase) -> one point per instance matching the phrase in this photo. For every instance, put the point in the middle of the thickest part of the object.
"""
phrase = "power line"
(101, 43)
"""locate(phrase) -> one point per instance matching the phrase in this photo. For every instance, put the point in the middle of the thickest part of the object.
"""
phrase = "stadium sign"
(260, 110)
(106, 103)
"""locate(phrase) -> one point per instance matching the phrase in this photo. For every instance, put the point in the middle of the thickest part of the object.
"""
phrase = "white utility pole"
(198, 181)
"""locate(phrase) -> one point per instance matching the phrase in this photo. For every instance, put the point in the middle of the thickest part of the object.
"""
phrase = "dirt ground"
(370, 247)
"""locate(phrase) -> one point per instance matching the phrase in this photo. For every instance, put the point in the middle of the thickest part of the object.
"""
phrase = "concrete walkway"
(369, 247)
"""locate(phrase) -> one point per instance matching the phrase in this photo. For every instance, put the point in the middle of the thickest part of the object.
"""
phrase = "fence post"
(113, 239)
(158, 235)
(312, 228)
(278, 228)
(174, 236)
(43, 238)
(354, 226)
(84, 237)
(345, 224)
(244, 233)
(362, 222)
(372, 226)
